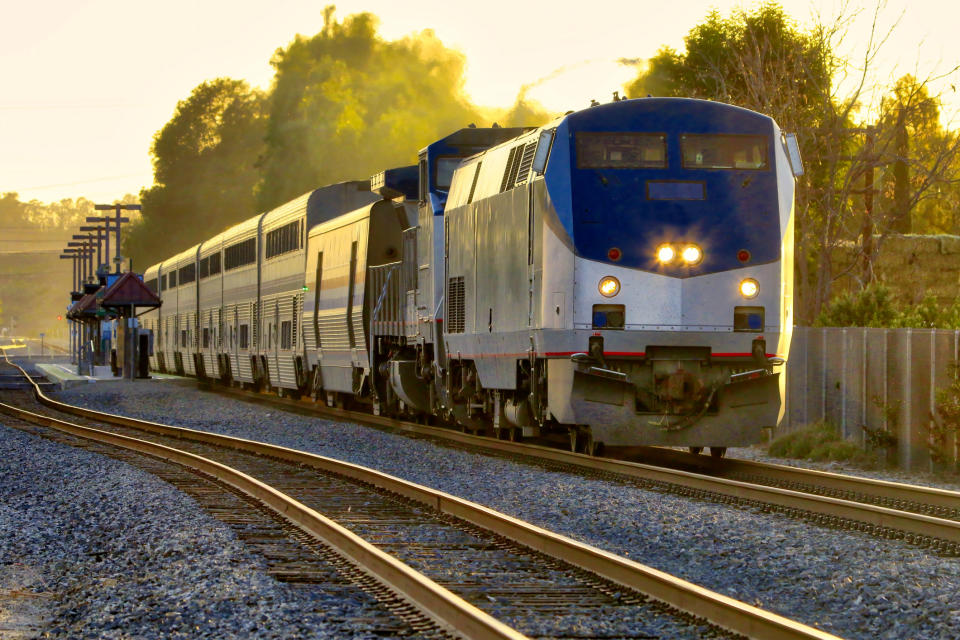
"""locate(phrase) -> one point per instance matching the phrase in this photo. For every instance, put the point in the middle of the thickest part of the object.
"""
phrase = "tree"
(745, 59)
(762, 61)
(347, 104)
(12, 211)
(921, 168)
(205, 169)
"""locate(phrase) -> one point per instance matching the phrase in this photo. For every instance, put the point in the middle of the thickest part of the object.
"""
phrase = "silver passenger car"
(210, 308)
(185, 351)
(167, 321)
(283, 258)
(241, 286)
(151, 319)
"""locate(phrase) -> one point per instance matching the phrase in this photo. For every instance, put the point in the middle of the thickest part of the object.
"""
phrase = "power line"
(45, 107)
(75, 184)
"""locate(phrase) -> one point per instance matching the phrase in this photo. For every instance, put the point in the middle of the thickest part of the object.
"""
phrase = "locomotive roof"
(474, 137)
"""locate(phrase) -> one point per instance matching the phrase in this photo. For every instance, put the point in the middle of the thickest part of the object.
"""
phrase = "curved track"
(918, 515)
(603, 570)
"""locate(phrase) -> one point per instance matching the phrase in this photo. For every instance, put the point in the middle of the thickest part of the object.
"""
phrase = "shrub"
(820, 441)
(874, 306)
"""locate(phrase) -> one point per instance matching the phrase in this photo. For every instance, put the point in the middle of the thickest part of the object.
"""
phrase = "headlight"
(666, 254)
(749, 288)
(609, 286)
(691, 254)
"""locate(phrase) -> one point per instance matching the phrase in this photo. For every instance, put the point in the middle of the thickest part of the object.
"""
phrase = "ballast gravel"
(846, 583)
(103, 550)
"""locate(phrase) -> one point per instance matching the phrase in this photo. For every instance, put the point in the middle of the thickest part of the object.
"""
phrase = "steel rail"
(868, 515)
(944, 499)
(718, 609)
(448, 610)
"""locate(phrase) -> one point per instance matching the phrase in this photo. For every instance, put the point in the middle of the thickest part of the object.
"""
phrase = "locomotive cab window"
(444, 172)
(724, 152)
(621, 150)
(543, 151)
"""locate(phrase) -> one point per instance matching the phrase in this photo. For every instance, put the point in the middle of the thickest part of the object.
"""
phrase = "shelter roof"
(84, 308)
(129, 290)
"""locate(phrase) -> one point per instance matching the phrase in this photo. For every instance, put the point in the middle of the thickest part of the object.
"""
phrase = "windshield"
(723, 152)
(445, 169)
(617, 150)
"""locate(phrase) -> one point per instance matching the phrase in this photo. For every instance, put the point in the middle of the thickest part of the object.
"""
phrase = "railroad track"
(11, 381)
(918, 515)
(940, 503)
(562, 580)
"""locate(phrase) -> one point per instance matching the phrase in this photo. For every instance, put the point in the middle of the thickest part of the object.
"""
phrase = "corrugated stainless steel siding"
(240, 358)
(385, 288)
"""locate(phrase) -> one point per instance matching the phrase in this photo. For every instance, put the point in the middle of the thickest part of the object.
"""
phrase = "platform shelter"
(124, 297)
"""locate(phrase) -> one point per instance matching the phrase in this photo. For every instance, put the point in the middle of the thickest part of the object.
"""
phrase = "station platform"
(65, 375)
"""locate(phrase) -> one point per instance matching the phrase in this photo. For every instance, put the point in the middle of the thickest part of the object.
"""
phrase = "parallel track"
(605, 571)
(918, 515)
(291, 555)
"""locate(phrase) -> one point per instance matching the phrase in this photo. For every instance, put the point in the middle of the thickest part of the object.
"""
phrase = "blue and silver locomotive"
(622, 275)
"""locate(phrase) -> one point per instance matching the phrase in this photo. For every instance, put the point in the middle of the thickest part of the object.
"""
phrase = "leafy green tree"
(205, 169)
(347, 103)
(919, 171)
(761, 60)
(12, 211)
(746, 59)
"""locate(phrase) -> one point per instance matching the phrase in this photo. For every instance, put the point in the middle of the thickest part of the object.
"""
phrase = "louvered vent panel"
(510, 171)
(297, 302)
(255, 321)
(526, 162)
(455, 309)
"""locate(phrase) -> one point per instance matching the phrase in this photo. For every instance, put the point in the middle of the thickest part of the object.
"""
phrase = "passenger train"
(620, 276)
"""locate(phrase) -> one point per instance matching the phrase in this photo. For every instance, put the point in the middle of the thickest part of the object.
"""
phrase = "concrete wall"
(850, 375)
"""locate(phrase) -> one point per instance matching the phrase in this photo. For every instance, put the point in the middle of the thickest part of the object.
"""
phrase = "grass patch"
(822, 442)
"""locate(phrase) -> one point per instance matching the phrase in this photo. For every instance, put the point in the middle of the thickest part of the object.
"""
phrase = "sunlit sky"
(85, 84)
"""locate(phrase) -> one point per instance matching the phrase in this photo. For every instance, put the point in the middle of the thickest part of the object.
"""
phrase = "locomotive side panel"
(489, 247)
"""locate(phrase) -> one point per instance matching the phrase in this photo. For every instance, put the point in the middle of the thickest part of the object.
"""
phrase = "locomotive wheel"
(718, 452)
(581, 441)
(695, 450)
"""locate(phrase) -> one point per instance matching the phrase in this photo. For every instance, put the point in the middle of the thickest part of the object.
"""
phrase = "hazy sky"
(86, 83)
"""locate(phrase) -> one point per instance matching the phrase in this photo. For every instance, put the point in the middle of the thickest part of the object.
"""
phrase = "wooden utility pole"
(116, 208)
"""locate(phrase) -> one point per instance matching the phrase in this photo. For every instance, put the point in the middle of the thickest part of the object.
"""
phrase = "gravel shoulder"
(91, 547)
(759, 454)
(847, 583)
